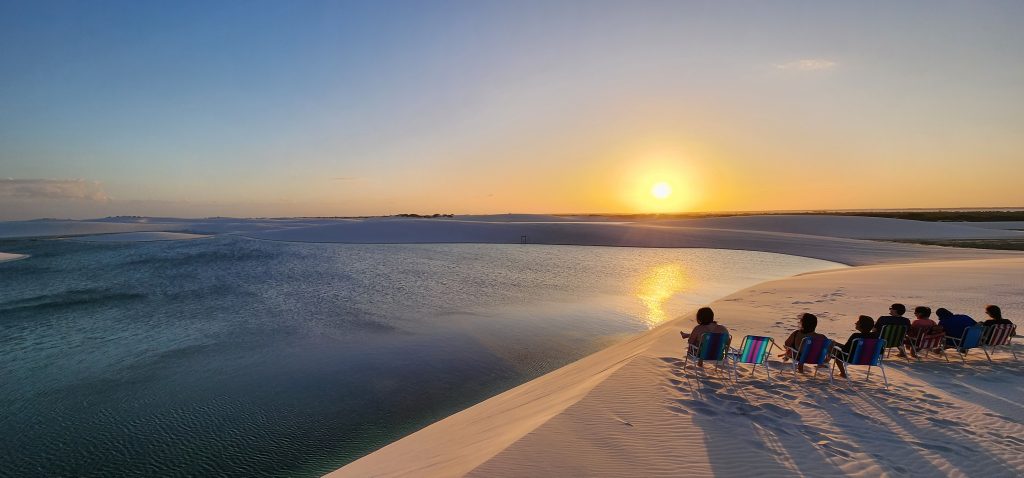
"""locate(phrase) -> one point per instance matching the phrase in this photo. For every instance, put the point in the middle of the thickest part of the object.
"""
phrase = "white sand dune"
(837, 249)
(630, 410)
(6, 256)
(140, 237)
(854, 227)
(50, 228)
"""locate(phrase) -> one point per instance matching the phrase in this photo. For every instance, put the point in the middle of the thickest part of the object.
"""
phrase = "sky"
(305, 108)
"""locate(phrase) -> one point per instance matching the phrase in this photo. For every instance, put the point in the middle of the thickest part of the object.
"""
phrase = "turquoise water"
(235, 357)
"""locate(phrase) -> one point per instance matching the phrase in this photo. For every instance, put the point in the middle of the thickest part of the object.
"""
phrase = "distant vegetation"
(916, 215)
(425, 215)
(1001, 244)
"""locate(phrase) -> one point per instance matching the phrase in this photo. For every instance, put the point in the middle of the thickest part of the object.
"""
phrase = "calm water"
(234, 357)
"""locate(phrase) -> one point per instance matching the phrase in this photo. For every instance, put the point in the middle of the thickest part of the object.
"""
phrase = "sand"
(6, 256)
(140, 237)
(631, 410)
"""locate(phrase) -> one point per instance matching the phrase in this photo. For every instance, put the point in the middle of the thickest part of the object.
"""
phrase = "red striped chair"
(998, 335)
(754, 350)
(920, 341)
(862, 352)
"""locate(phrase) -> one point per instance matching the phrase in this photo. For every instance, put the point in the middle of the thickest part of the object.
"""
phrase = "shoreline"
(506, 434)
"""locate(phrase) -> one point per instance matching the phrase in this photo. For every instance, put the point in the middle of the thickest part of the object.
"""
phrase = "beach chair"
(919, 340)
(755, 351)
(862, 352)
(894, 336)
(711, 347)
(998, 335)
(970, 339)
(813, 351)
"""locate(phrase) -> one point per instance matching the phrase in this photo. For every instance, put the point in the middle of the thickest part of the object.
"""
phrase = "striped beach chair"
(920, 341)
(712, 347)
(813, 351)
(862, 352)
(755, 351)
(998, 335)
(894, 336)
(970, 339)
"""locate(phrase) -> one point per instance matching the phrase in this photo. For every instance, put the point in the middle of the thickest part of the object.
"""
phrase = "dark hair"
(993, 310)
(808, 322)
(899, 308)
(923, 311)
(705, 315)
(943, 313)
(865, 323)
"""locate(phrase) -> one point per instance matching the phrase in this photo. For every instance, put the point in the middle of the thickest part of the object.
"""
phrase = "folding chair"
(969, 340)
(894, 335)
(862, 352)
(814, 351)
(919, 340)
(711, 347)
(998, 335)
(755, 350)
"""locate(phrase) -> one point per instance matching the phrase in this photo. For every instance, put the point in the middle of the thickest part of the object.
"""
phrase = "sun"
(661, 190)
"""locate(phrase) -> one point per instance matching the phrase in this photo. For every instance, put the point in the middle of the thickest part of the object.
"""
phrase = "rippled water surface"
(234, 357)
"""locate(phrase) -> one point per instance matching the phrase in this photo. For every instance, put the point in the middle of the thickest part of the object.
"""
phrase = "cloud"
(808, 64)
(347, 178)
(75, 189)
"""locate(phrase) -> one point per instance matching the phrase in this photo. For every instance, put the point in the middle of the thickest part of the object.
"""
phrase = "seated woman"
(808, 322)
(864, 325)
(996, 315)
(705, 325)
(922, 327)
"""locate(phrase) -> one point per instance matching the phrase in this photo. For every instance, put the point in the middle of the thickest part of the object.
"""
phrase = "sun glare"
(661, 190)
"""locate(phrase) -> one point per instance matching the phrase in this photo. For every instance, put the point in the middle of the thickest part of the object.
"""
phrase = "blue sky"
(344, 108)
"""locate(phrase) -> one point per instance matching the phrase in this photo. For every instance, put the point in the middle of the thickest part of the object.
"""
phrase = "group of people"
(948, 325)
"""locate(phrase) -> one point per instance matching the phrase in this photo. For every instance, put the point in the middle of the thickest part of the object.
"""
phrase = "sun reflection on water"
(657, 287)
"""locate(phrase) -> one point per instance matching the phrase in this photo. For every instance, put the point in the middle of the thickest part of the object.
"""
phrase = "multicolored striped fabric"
(754, 349)
(972, 337)
(999, 334)
(713, 346)
(814, 350)
(893, 334)
(866, 351)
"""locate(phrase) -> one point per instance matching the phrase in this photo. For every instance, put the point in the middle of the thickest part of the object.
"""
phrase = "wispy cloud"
(808, 64)
(75, 189)
(347, 178)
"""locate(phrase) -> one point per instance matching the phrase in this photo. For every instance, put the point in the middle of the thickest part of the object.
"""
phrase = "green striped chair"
(894, 336)
(755, 351)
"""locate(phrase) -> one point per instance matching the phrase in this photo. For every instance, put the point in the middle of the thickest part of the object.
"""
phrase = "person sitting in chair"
(895, 317)
(864, 326)
(953, 324)
(808, 323)
(705, 325)
(996, 315)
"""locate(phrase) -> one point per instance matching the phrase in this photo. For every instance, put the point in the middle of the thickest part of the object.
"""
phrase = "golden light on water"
(657, 287)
